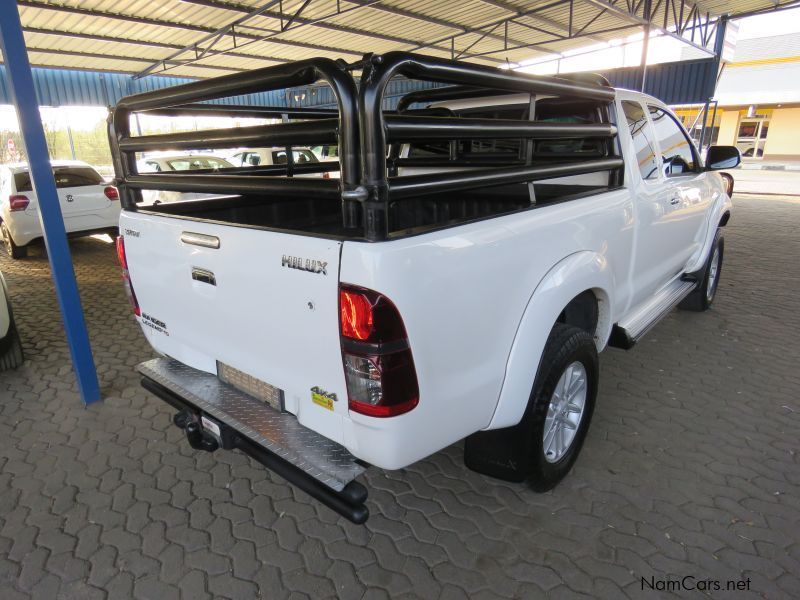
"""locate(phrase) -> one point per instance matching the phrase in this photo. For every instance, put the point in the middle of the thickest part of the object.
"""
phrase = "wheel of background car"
(11, 355)
(13, 250)
(703, 295)
(561, 405)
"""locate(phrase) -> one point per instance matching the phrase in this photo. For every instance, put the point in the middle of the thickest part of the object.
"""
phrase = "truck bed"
(323, 217)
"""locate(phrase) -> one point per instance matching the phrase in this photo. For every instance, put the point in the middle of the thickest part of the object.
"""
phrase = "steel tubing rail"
(302, 133)
(302, 72)
(403, 128)
(416, 185)
(237, 184)
(377, 73)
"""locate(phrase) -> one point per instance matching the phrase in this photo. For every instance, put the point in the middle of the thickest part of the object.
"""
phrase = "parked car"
(11, 355)
(305, 162)
(327, 153)
(264, 157)
(181, 162)
(167, 163)
(88, 204)
(459, 284)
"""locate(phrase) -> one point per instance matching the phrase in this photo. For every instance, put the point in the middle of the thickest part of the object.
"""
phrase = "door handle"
(675, 200)
(203, 276)
(200, 239)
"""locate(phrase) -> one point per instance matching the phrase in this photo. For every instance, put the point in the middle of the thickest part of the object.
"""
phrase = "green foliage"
(90, 146)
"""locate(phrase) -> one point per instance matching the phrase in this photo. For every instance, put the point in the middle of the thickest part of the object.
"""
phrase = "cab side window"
(676, 149)
(642, 134)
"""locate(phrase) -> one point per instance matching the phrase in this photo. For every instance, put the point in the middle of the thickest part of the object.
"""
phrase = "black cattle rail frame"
(363, 132)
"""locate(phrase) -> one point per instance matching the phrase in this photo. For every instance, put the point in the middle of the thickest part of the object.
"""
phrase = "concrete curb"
(770, 166)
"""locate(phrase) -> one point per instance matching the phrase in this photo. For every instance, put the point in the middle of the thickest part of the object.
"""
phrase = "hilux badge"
(305, 264)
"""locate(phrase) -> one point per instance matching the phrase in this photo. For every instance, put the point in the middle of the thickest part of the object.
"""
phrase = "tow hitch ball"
(198, 438)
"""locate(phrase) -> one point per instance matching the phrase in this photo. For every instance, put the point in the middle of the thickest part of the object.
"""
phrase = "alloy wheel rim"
(713, 274)
(565, 411)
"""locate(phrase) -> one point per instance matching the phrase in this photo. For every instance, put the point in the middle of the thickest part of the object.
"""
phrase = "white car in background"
(10, 345)
(260, 157)
(181, 162)
(178, 162)
(327, 153)
(265, 157)
(88, 204)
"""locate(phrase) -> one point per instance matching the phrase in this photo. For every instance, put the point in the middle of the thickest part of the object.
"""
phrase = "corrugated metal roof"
(686, 82)
(57, 87)
(131, 35)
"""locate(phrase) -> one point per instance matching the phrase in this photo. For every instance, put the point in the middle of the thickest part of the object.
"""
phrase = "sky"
(617, 53)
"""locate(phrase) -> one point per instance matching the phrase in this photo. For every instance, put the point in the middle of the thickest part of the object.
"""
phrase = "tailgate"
(245, 304)
(83, 199)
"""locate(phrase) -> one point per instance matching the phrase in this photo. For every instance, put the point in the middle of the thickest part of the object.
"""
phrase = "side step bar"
(215, 415)
(626, 333)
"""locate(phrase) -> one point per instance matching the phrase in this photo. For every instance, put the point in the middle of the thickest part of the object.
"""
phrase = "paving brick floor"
(691, 467)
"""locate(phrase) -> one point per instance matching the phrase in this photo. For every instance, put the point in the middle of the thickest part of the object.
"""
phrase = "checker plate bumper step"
(280, 433)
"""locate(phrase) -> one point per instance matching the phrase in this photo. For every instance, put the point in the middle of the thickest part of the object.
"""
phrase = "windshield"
(65, 177)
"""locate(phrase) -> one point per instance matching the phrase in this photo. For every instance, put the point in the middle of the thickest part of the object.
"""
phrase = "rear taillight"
(18, 202)
(378, 365)
(111, 192)
(126, 277)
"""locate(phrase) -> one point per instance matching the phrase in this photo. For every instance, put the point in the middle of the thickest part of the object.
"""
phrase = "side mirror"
(722, 157)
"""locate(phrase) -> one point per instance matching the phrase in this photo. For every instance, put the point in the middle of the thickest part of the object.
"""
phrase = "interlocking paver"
(691, 467)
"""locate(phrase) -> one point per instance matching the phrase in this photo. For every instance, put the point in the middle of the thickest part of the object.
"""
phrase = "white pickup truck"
(485, 241)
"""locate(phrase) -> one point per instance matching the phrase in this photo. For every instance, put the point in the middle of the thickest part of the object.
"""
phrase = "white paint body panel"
(278, 324)
(478, 300)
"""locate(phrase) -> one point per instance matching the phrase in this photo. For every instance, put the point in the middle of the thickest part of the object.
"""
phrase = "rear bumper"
(320, 467)
(25, 226)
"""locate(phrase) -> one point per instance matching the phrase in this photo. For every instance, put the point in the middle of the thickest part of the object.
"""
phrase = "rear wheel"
(545, 444)
(561, 405)
(703, 295)
(13, 250)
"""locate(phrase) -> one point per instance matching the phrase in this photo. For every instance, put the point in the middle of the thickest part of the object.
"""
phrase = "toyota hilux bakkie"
(485, 240)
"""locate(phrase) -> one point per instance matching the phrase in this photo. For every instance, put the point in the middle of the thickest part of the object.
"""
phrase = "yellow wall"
(784, 134)
(729, 127)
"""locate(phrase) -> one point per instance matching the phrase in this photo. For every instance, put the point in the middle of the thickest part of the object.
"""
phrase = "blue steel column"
(23, 94)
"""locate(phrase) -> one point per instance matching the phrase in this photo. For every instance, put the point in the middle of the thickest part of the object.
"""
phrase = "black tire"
(13, 250)
(11, 355)
(566, 345)
(517, 453)
(702, 297)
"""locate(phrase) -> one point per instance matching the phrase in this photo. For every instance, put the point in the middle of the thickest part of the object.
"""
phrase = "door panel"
(686, 195)
(649, 265)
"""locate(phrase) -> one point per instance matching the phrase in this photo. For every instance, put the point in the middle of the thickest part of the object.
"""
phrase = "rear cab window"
(65, 177)
(473, 148)
(546, 111)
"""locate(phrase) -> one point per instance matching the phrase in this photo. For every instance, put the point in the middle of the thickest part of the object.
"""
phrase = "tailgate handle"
(204, 276)
(200, 239)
